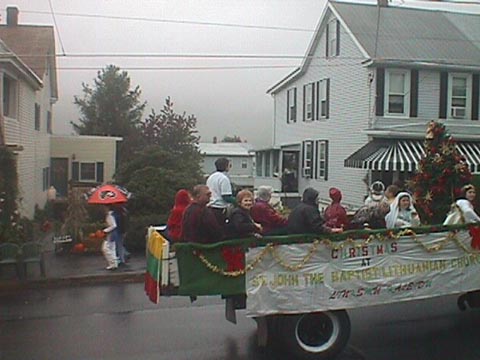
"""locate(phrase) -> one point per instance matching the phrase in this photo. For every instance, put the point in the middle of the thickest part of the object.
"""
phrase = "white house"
(28, 88)
(28, 91)
(372, 78)
(242, 160)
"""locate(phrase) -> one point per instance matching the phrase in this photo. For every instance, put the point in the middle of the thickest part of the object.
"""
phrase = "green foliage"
(111, 108)
(440, 176)
(169, 162)
(137, 230)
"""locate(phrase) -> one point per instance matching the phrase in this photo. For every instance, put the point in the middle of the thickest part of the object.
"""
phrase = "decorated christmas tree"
(441, 174)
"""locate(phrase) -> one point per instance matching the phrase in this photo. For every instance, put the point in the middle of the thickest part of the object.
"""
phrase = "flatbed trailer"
(298, 288)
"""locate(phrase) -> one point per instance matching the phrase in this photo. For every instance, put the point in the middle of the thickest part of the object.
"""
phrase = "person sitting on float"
(264, 214)
(305, 218)
(241, 223)
(370, 217)
(462, 211)
(402, 212)
(376, 194)
(174, 222)
(335, 214)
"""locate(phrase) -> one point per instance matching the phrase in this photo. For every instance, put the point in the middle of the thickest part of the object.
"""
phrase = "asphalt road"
(118, 322)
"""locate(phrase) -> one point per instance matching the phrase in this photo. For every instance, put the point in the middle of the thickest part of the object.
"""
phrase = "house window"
(244, 164)
(9, 97)
(292, 105)
(87, 172)
(267, 163)
(276, 157)
(323, 94)
(322, 159)
(49, 122)
(397, 86)
(37, 117)
(259, 163)
(308, 101)
(333, 40)
(459, 95)
(307, 162)
(45, 178)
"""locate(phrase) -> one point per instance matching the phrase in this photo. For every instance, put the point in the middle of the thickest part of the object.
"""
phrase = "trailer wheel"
(320, 335)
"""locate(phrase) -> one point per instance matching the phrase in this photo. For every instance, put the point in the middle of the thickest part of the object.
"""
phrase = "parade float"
(298, 288)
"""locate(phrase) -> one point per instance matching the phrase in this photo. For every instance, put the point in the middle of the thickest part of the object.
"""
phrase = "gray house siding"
(343, 130)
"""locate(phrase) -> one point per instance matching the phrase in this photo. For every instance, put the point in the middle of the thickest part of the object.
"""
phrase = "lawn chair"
(9, 255)
(32, 253)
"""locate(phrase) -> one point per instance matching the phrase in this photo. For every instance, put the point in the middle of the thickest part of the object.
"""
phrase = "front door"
(290, 162)
(59, 175)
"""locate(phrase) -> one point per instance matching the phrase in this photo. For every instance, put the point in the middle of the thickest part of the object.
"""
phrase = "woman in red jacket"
(335, 214)
(174, 223)
(263, 213)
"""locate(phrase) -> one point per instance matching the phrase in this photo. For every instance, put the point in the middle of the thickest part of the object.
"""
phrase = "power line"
(171, 21)
(56, 26)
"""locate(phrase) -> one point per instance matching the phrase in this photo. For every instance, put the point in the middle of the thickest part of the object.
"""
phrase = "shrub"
(137, 229)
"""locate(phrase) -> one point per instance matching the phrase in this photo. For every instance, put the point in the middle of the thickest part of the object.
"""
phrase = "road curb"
(15, 285)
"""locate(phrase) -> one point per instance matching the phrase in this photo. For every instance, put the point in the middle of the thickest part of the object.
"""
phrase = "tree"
(111, 108)
(441, 174)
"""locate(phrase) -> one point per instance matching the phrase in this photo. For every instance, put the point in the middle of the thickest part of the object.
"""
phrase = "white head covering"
(392, 216)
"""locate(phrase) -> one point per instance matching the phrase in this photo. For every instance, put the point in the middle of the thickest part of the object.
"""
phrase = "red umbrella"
(108, 194)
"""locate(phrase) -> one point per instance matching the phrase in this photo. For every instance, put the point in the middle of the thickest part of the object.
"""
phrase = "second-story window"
(323, 95)
(9, 97)
(308, 102)
(333, 39)
(397, 86)
(292, 105)
(459, 95)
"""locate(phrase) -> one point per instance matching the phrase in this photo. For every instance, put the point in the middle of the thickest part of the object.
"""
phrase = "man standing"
(221, 188)
(199, 223)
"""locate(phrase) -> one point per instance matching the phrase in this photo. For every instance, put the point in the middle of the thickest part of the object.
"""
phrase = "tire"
(314, 336)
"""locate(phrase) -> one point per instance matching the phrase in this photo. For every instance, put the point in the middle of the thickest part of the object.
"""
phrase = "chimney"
(382, 3)
(214, 139)
(12, 16)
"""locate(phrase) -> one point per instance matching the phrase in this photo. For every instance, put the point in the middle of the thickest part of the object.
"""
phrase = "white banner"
(315, 277)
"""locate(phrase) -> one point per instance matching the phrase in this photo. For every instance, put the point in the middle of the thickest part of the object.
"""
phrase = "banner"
(320, 276)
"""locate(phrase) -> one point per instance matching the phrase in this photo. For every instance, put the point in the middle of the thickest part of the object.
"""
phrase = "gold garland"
(271, 248)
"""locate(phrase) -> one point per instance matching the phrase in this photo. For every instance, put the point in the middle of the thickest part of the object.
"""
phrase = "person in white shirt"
(221, 188)
(462, 211)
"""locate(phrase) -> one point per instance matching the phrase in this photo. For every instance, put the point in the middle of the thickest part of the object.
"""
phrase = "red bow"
(234, 257)
(475, 234)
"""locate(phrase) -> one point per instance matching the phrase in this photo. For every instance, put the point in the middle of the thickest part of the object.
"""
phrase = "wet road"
(118, 322)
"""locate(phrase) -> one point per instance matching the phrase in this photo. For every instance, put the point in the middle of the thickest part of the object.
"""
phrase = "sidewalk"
(66, 269)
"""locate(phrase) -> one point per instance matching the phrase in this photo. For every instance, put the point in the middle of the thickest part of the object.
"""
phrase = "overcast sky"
(225, 101)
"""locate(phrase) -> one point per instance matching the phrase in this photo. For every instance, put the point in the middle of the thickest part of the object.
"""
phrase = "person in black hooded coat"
(305, 218)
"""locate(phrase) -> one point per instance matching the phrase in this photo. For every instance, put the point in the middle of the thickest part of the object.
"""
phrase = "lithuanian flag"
(155, 247)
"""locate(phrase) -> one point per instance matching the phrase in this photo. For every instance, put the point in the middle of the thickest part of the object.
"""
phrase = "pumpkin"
(78, 248)
(100, 234)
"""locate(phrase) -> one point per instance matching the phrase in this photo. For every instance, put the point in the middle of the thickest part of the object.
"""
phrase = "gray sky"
(225, 102)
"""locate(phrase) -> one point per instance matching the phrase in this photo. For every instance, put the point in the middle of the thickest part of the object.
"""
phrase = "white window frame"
(292, 105)
(322, 159)
(322, 99)
(468, 98)
(12, 96)
(332, 38)
(244, 164)
(80, 172)
(406, 93)
(309, 102)
(307, 160)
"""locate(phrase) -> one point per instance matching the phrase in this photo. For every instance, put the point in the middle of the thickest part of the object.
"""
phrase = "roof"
(406, 36)
(8, 56)
(410, 34)
(33, 44)
(226, 149)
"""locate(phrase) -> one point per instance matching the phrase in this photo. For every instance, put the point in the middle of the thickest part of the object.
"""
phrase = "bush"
(137, 229)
